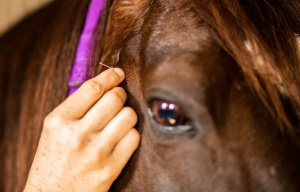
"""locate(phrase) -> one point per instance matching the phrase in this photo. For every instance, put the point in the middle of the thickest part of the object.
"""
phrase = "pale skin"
(87, 140)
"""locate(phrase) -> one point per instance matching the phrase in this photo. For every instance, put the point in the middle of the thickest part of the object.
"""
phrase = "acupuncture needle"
(105, 65)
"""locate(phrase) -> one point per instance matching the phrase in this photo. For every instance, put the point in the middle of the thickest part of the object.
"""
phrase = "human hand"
(87, 140)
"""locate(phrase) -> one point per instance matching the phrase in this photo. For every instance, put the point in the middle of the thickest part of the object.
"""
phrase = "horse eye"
(168, 114)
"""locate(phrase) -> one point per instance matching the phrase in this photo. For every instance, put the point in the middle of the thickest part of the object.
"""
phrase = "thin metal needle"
(105, 65)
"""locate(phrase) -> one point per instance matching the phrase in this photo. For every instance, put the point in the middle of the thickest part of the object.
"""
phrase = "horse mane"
(262, 36)
(36, 58)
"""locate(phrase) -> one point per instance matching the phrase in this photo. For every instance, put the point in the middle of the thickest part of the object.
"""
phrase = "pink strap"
(84, 59)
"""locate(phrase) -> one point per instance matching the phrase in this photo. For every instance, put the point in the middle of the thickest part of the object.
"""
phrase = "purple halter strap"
(84, 58)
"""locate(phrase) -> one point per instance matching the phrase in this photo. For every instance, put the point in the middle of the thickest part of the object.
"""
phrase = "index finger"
(75, 106)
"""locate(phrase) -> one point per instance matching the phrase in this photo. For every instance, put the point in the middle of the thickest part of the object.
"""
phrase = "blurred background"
(12, 11)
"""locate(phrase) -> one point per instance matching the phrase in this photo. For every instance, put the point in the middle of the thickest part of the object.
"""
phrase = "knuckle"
(52, 121)
(120, 90)
(63, 133)
(92, 87)
(111, 77)
(103, 148)
(118, 96)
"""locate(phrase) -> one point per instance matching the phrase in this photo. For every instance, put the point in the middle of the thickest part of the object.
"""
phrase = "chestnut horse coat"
(230, 68)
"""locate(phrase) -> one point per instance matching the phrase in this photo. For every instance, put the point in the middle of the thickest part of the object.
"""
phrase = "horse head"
(215, 105)
(215, 84)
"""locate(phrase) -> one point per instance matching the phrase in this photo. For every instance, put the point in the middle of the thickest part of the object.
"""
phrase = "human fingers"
(117, 128)
(124, 149)
(105, 109)
(89, 93)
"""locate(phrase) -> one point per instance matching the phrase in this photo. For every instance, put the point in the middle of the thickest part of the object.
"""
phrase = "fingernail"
(119, 71)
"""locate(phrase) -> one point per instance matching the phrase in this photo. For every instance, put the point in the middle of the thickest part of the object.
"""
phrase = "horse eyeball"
(168, 114)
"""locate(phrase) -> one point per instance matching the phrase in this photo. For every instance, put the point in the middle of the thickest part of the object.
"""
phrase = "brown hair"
(262, 37)
(36, 59)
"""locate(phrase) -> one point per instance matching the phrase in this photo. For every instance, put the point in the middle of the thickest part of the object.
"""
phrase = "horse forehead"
(175, 29)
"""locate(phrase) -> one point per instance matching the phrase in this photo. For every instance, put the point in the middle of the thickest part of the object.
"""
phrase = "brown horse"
(215, 84)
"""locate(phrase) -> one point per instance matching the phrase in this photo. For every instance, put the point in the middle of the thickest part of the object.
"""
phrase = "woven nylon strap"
(84, 58)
